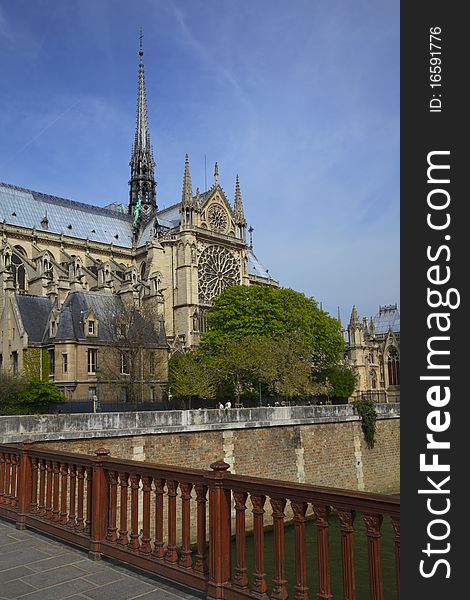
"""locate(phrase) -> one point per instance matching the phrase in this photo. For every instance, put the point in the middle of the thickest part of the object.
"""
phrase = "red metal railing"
(178, 522)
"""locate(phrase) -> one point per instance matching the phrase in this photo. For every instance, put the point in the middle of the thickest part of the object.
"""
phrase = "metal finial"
(250, 231)
(141, 52)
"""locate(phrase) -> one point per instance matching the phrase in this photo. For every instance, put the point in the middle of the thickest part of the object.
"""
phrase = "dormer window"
(53, 329)
(91, 326)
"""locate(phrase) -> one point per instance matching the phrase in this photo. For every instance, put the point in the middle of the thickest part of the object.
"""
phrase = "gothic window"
(218, 270)
(393, 367)
(18, 272)
(143, 268)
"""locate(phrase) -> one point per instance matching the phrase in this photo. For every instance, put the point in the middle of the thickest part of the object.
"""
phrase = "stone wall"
(327, 450)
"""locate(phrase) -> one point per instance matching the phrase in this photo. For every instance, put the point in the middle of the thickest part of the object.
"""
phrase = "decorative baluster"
(346, 520)
(134, 543)
(34, 485)
(200, 564)
(171, 551)
(158, 549)
(7, 497)
(146, 548)
(42, 488)
(301, 589)
(14, 469)
(240, 578)
(373, 523)
(71, 522)
(64, 472)
(112, 529)
(279, 582)
(49, 490)
(2, 477)
(324, 586)
(396, 529)
(89, 498)
(123, 534)
(259, 577)
(80, 497)
(55, 491)
(185, 553)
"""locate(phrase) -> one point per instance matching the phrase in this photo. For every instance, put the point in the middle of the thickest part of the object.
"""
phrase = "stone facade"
(177, 259)
(373, 351)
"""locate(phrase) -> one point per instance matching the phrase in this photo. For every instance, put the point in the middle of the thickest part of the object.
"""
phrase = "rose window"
(217, 218)
(218, 270)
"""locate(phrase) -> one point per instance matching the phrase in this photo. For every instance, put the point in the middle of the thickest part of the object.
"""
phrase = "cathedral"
(65, 267)
(373, 352)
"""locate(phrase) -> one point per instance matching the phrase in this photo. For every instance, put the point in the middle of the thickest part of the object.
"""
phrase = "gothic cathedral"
(62, 261)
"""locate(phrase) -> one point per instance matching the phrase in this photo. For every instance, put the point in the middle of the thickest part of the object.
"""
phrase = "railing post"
(24, 486)
(99, 505)
(373, 523)
(219, 530)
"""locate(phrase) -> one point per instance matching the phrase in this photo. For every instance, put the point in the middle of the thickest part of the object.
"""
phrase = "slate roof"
(255, 267)
(105, 307)
(26, 208)
(388, 318)
(34, 311)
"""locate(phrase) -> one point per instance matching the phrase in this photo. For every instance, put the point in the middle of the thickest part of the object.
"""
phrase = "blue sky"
(300, 98)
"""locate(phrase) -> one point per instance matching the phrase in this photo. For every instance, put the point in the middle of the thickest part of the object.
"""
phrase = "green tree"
(33, 399)
(342, 380)
(281, 362)
(243, 311)
(10, 387)
(191, 376)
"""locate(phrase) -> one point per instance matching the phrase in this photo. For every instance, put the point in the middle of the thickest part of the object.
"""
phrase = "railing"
(128, 511)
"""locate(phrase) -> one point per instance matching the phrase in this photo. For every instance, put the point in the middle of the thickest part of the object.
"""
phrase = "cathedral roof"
(255, 267)
(27, 208)
(388, 318)
(34, 311)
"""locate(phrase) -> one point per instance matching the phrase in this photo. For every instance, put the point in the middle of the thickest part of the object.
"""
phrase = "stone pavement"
(35, 567)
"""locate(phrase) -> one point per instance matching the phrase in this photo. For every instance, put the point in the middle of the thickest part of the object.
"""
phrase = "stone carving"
(218, 270)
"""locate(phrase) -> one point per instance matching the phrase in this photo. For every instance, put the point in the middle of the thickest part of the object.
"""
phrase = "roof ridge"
(82, 205)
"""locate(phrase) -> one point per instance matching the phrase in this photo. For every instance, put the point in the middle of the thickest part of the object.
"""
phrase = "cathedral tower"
(142, 197)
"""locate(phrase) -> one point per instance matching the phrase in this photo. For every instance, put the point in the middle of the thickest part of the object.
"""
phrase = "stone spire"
(142, 200)
(354, 317)
(238, 205)
(187, 193)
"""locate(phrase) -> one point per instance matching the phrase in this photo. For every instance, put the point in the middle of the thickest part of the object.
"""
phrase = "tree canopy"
(243, 311)
(191, 376)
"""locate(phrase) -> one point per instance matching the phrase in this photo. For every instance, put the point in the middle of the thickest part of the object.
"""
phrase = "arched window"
(143, 268)
(393, 367)
(18, 272)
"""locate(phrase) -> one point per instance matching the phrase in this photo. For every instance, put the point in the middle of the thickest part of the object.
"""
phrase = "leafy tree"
(132, 358)
(190, 376)
(33, 399)
(10, 387)
(243, 311)
(342, 380)
(281, 362)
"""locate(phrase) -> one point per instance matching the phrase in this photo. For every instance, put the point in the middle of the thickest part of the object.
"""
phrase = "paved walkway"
(35, 567)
